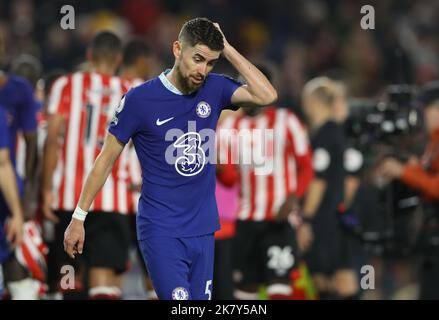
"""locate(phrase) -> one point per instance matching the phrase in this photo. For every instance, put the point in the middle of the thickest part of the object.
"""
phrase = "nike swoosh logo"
(159, 123)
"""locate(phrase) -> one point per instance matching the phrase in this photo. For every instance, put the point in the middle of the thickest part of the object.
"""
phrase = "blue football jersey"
(16, 96)
(172, 136)
(4, 134)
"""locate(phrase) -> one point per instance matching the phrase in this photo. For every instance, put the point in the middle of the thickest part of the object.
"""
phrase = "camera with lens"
(385, 121)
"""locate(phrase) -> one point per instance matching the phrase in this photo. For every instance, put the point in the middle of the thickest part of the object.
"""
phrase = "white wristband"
(79, 214)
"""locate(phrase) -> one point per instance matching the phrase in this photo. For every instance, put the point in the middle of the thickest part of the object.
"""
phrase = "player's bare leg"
(152, 295)
(345, 284)
(323, 284)
(103, 284)
(20, 285)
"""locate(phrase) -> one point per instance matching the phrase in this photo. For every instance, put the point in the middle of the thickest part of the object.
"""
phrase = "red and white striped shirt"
(290, 162)
(88, 102)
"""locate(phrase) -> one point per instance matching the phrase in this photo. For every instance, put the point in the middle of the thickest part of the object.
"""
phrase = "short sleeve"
(229, 87)
(4, 134)
(59, 96)
(299, 135)
(27, 113)
(328, 151)
(125, 122)
(321, 162)
(323, 153)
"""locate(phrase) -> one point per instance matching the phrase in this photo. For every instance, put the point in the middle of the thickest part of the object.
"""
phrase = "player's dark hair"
(202, 31)
(134, 50)
(105, 46)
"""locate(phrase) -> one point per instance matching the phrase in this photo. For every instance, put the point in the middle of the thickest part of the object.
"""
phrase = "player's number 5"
(208, 290)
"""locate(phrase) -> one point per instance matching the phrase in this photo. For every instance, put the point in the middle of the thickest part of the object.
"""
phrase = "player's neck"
(172, 76)
(320, 119)
(104, 69)
(129, 74)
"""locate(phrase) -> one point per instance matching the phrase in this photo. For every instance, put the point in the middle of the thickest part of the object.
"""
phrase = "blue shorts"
(180, 268)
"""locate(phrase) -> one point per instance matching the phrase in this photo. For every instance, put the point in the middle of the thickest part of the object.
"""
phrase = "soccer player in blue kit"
(165, 116)
(20, 109)
(10, 237)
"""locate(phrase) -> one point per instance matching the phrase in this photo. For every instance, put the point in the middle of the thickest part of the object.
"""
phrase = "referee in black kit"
(326, 256)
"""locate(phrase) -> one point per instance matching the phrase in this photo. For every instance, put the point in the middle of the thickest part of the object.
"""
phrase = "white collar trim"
(168, 85)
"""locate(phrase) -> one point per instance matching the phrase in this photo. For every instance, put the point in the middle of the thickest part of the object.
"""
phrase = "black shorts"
(107, 240)
(331, 249)
(264, 252)
(223, 270)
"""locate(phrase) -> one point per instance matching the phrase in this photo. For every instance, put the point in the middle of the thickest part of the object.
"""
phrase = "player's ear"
(176, 48)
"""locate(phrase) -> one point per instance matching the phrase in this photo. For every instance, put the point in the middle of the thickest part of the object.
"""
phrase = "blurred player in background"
(326, 255)
(16, 97)
(227, 197)
(265, 243)
(346, 279)
(177, 212)
(10, 231)
(80, 107)
(29, 67)
(32, 253)
(136, 62)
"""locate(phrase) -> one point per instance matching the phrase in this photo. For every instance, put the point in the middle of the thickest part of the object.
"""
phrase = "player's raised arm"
(257, 90)
(75, 234)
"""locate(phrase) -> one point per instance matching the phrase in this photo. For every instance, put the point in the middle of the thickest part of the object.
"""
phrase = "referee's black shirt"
(328, 143)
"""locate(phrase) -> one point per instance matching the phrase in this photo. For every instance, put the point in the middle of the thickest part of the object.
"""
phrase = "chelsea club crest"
(203, 109)
(180, 293)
